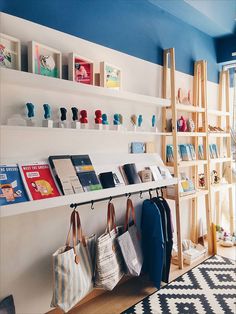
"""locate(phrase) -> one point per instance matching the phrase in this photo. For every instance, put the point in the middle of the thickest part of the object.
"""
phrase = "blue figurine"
(153, 121)
(116, 120)
(47, 111)
(104, 119)
(140, 120)
(30, 108)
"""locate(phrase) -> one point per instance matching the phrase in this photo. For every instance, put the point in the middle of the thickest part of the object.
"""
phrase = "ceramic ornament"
(140, 120)
(30, 121)
(133, 120)
(84, 119)
(190, 125)
(105, 123)
(47, 62)
(75, 124)
(47, 121)
(117, 121)
(181, 125)
(63, 123)
(98, 119)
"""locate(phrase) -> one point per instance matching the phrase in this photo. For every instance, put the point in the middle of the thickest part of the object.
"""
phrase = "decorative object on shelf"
(181, 124)
(63, 123)
(80, 69)
(213, 151)
(146, 175)
(110, 76)
(84, 119)
(11, 186)
(140, 120)
(44, 60)
(117, 121)
(215, 129)
(215, 179)
(137, 148)
(183, 97)
(10, 52)
(201, 181)
(190, 125)
(154, 121)
(30, 114)
(47, 121)
(98, 119)
(133, 120)
(186, 185)
(105, 123)
(200, 152)
(75, 124)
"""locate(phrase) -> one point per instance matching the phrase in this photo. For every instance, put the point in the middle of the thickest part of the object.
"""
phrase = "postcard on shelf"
(82, 163)
(80, 69)
(12, 189)
(131, 173)
(156, 173)
(38, 180)
(44, 60)
(110, 76)
(165, 172)
(65, 174)
(137, 147)
(10, 52)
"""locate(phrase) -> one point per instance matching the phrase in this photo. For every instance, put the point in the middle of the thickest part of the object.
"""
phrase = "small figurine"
(121, 118)
(47, 122)
(84, 119)
(181, 125)
(133, 120)
(104, 119)
(140, 120)
(75, 124)
(215, 179)
(63, 123)
(98, 117)
(30, 121)
(116, 120)
(190, 125)
(153, 121)
(201, 181)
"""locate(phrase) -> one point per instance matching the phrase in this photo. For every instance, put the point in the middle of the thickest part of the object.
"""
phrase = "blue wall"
(135, 27)
(225, 46)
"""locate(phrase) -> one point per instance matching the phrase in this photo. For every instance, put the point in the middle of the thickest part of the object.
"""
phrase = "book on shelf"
(186, 185)
(165, 172)
(170, 153)
(117, 176)
(156, 174)
(38, 180)
(130, 173)
(185, 152)
(200, 152)
(86, 173)
(107, 180)
(12, 189)
(192, 151)
(65, 174)
(213, 150)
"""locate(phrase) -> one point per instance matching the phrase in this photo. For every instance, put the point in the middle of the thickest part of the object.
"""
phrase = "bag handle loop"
(111, 218)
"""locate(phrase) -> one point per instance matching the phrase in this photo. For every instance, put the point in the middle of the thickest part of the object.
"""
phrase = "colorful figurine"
(133, 119)
(181, 125)
(63, 114)
(116, 120)
(190, 125)
(104, 119)
(153, 121)
(140, 120)
(47, 111)
(30, 108)
(98, 117)
(83, 116)
(75, 112)
(201, 181)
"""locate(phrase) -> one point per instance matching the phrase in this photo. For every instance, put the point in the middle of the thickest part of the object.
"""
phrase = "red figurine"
(83, 116)
(98, 117)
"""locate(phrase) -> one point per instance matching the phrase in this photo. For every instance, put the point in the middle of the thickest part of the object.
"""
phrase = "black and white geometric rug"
(209, 288)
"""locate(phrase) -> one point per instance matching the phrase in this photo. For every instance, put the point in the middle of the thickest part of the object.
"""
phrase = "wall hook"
(110, 199)
(92, 203)
(128, 195)
(141, 194)
(150, 194)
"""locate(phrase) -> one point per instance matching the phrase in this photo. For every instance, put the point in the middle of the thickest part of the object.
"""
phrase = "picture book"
(82, 163)
(118, 179)
(192, 151)
(200, 152)
(12, 189)
(186, 185)
(156, 173)
(185, 152)
(131, 173)
(65, 174)
(38, 180)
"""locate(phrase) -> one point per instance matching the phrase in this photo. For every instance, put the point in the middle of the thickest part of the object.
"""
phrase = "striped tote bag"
(109, 261)
(72, 268)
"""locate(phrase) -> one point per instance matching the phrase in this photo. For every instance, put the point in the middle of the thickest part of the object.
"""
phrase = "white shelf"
(220, 186)
(218, 134)
(188, 163)
(59, 85)
(189, 108)
(190, 196)
(192, 134)
(33, 206)
(87, 131)
(218, 113)
(220, 160)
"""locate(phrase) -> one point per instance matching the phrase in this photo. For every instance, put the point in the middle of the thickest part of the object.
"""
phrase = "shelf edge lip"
(21, 77)
(38, 205)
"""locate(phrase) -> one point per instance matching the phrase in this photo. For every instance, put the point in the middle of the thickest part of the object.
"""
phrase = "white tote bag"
(72, 268)
(109, 262)
(130, 243)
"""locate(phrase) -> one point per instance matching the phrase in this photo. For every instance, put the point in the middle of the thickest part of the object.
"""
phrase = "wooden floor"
(132, 291)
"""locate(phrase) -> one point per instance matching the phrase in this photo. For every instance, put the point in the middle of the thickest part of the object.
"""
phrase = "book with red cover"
(38, 180)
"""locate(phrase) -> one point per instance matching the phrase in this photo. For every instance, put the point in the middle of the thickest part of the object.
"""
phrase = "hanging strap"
(129, 209)
(111, 218)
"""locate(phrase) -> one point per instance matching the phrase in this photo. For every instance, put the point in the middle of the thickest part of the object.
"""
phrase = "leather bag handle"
(129, 209)
(111, 218)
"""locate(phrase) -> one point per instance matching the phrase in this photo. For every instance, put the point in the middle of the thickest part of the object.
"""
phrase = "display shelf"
(38, 205)
(218, 134)
(59, 85)
(220, 186)
(190, 196)
(188, 163)
(218, 113)
(82, 131)
(220, 160)
(189, 108)
(192, 134)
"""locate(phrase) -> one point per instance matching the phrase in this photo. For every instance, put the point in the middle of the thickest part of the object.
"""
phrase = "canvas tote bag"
(72, 268)
(130, 243)
(109, 262)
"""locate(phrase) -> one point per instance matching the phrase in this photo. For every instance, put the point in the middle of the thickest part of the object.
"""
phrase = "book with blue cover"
(12, 189)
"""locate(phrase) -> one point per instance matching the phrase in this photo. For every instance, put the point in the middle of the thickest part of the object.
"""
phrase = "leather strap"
(111, 218)
(129, 206)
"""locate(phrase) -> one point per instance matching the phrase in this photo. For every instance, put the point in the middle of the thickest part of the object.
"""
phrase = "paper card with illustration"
(80, 69)
(10, 52)
(12, 189)
(110, 76)
(38, 180)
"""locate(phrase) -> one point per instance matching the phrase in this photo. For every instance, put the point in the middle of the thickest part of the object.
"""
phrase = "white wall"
(28, 240)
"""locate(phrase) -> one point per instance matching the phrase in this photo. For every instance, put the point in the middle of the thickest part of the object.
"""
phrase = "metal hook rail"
(110, 198)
